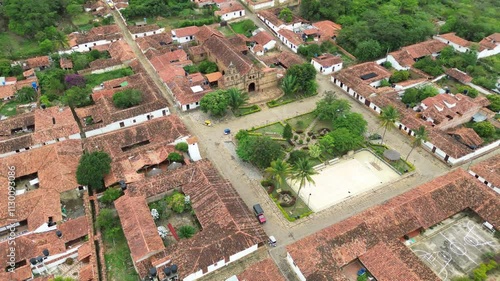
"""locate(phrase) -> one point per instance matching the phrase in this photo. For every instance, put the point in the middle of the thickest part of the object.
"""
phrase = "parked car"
(259, 213)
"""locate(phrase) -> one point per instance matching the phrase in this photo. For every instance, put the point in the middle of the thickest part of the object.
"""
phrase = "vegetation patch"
(301, 122)
(245, 27)
(275, 129)
(93, 80)
(242, 111)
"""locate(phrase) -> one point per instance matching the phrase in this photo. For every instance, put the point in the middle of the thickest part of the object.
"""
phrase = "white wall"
(85, 47)
(288, 43)
(183, 107)
(261, 6)
(268, 23)
(457, 47)
(182, 39)
(233, 15)
(395, 63)
(194, 152)
(270, 45)
(488, 53)
(149, 33)
(326, 70)
(108, 69)
(129, 122)
(294, 267)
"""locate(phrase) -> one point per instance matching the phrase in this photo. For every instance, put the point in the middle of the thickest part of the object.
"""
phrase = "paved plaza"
(455, 249)
(344, 179)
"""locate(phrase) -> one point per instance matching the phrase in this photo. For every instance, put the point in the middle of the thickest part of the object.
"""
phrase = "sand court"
(344, 179)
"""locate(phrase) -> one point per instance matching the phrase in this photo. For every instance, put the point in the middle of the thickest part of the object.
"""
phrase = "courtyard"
(455, 247)
(345, 179)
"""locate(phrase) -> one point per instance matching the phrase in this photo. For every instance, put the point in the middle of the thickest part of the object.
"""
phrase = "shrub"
(160, 206)
(110, 195)
(186, 231)
(182, 146)
(429, 66)
(292, 202)
(471, 92)
(175, 157)
(74, 80)
(296, 155)
(387, 64)
(484, 129)
(69, 261)
(266, 182)
(295, 137)
(26, 94)
(399, 76)
(177, 202)
(385, 83)
(308, 139)
(301, 141)
(127, 98)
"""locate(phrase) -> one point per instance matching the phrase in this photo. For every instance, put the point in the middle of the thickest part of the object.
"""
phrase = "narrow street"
(246, 179)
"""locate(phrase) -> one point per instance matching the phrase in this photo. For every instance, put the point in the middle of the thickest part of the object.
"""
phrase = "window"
(122, 124)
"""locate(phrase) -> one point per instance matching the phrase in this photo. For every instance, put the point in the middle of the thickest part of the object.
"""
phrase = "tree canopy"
(92, 169)
(214, 103)
(413, 96)
(330, 107)
(127, 98)
(26, 94)
(258, 150)
(77, 97)
(305, 75)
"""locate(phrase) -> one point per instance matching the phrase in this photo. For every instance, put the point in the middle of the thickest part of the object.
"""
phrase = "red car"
(259, 213)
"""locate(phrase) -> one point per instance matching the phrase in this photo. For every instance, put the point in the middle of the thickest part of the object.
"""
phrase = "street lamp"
(309, 199)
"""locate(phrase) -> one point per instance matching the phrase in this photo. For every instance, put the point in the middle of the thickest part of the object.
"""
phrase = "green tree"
(421, 136)
(388, 117)
(302, 173)
(368, 50)
(289, 85)
(258, 150)
(286, 15)
(29, 17)
(330, 107)
(177, 202)
(315, 151)
(399, 76)
(92, 168)
(279, 171)
(207, 67)
(287, 132)
(235, 98)
(296, 155)
(305, 75)
(354, 122)
(26, 94)
(214, 103)
(341, 140)
(74, 9)
(186, 231)
(175, 157)
(46, 46)
(5, 68)
(429, 66)
(77, 97)
(110, 195)
(484, 129)
(309, 9)
(182, 146)
(127, 98)
(310, 51)
(494, 102)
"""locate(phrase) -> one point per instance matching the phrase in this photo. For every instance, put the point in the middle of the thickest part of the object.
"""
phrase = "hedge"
(275, 103)
(254, 108)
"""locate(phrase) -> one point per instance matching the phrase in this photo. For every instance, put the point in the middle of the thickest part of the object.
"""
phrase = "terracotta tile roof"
(29, 72)
(458, 75)
(373, 235)
(196, 78)
(224, 52)
(224, 217)
(489, 170)
(352, 77)
(287, 59)
(272, 15)
(66, 63)
(196, 50)
(185, 31)
(467, 136)
(138, 226)
(327, 28)
(407, 55)
(239, 42)
(143, 28)
(403, 58)
(490, 42)
(183, 93)
(205, 32)
(84, 251)
(453, 38)
(54, 122)
(291, 36)
(229, 7)
(262, 270)
(86, 273)
(157, 41)
(106, 32)
(443, 106)
(121, 50)
(7, 91)
(212, 77)
(38, 62)
(104, 63)
(327, 60)
(262, 38)
(19, 274)
(311, 31)
(104, 29)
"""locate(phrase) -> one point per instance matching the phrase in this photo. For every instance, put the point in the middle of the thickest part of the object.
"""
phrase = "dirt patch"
(177, 220)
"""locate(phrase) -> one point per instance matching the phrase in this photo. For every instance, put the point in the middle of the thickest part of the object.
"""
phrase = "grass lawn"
(239, 27)
(247, 110)
(275, 129)
(15, 47)
(226, 31)
(9, 108)
(95, 79)
(450, 83)
(292, 212)
(119, 264)
(82, 19)
(301, 122)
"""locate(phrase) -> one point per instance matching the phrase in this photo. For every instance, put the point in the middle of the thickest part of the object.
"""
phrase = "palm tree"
(302, 173)
(315, 151)
(421, 135)
(236, 98)
(279, 171)
(289, 84)
(388, 116)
